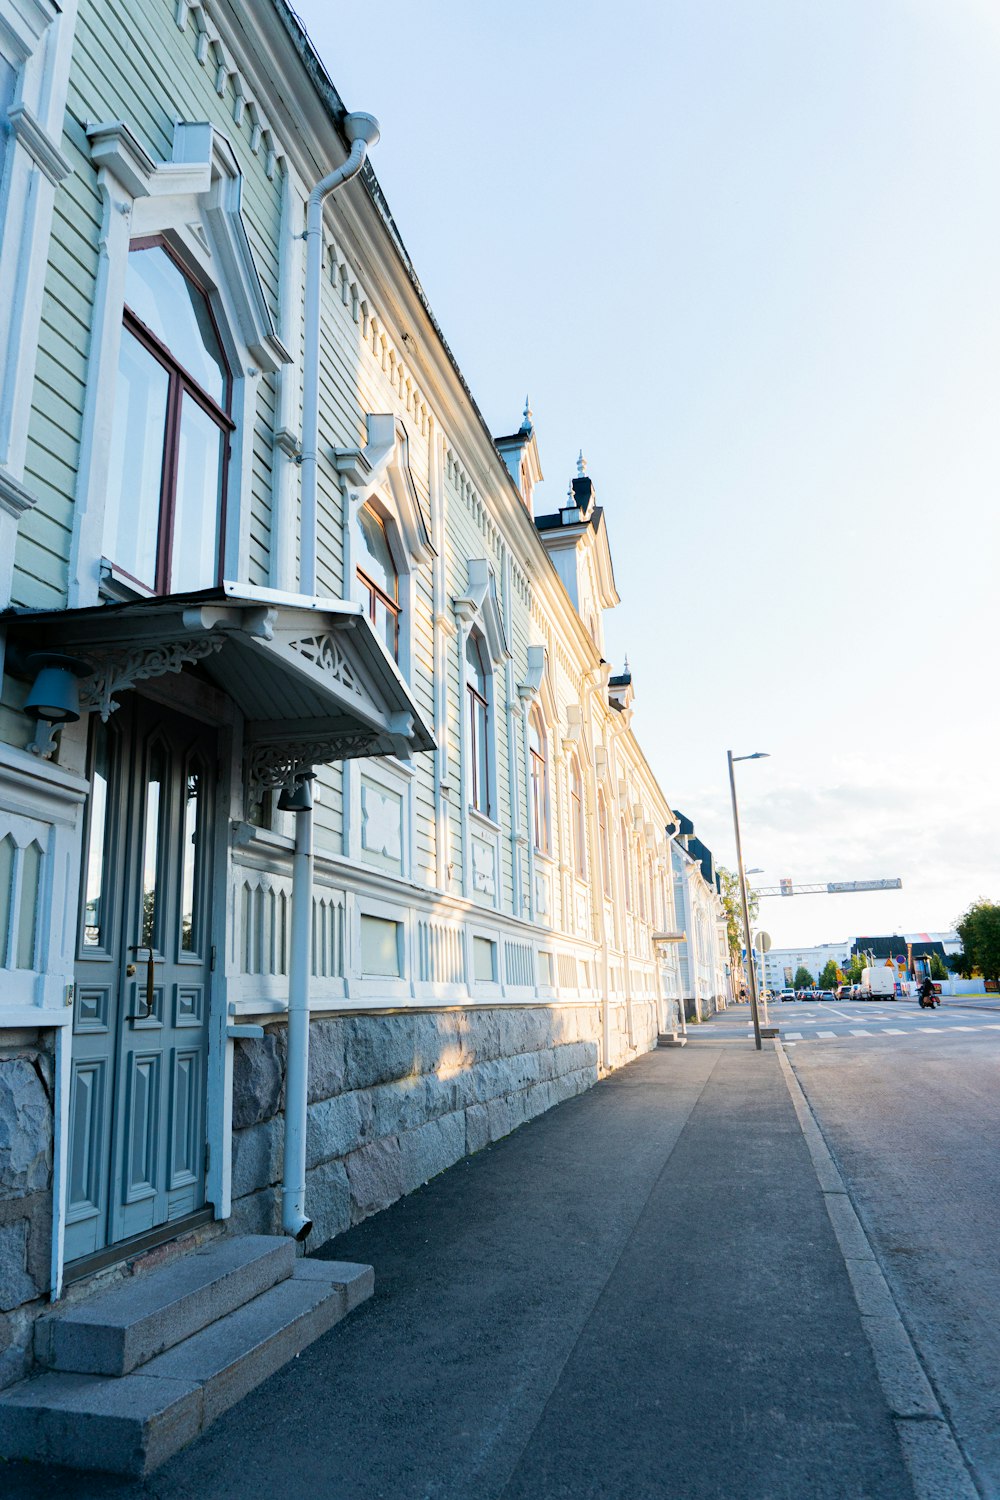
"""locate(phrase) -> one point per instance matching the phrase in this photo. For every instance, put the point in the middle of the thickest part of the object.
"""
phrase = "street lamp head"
(757, 755)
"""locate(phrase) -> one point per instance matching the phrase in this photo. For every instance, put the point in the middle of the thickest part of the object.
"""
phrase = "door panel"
(140, 1026)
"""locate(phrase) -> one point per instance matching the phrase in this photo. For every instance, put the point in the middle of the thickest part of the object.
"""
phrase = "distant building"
(780, 964)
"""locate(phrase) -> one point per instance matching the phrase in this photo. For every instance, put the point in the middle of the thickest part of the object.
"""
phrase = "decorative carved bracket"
(271, 766)
(117, 671)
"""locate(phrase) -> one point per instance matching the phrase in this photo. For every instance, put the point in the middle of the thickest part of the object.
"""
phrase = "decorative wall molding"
(211, 53)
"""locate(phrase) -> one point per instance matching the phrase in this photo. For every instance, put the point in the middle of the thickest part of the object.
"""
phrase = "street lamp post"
(751, 967)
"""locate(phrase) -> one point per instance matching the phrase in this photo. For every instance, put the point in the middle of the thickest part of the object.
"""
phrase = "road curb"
(937, 1466)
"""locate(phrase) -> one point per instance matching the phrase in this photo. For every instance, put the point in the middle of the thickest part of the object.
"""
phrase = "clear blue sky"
(746, 253)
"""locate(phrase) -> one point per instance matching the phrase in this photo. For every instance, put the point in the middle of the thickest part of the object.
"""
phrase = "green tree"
(733, 908)
(959, 963)
(803, 979)
(938, 970)
(979, 930)
(828, 979)
(855, 968)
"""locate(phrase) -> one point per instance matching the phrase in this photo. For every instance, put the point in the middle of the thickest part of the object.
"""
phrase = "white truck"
(878, 984)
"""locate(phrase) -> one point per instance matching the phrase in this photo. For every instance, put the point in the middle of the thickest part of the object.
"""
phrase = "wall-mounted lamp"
(54, 698)
(298, 797)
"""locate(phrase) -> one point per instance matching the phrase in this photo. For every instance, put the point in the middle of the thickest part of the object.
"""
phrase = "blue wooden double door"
(137, 1152)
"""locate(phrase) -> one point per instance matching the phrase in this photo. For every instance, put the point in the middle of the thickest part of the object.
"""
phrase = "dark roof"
(684, 825)
(889, 945)
(554, 522)
(622, 680)
(703, 855)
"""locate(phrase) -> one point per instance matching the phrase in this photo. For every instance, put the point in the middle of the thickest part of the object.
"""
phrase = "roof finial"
(627, 667)
(581, 464)
(526, 421)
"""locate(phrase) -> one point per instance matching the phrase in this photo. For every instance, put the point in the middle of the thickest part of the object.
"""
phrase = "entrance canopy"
(312, 679)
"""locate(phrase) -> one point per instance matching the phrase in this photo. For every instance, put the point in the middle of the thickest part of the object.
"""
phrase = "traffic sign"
(762, 942)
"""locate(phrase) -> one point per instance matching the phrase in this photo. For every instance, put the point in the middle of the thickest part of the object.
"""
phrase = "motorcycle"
(928, 1002)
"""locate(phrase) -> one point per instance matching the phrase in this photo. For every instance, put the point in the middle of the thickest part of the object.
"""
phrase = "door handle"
(150, 980)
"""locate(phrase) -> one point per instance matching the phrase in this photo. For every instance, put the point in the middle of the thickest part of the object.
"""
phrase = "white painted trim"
(38, 39)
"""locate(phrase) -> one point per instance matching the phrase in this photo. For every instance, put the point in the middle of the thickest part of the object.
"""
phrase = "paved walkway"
(637, 1295)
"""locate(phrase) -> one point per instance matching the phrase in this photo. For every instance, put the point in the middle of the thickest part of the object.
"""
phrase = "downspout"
(362, 131)
(293, 1185)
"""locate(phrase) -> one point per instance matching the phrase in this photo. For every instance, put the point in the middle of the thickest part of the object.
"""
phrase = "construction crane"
(826, 888)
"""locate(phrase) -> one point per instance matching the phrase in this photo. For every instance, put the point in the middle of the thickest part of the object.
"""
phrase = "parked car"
(787, 995)
(829, 995)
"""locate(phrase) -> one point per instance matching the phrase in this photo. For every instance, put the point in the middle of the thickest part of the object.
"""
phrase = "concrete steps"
(113, 1333)
(172, 1388)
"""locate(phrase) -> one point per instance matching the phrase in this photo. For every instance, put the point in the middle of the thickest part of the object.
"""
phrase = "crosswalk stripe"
(860, 1033)
(826, 1033)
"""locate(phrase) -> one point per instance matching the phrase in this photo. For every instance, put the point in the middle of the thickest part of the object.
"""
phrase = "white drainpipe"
(362, 131)
(293, 1186)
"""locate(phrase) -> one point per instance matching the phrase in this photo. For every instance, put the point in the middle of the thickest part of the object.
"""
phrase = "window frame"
(577, 820)
(180, 384)
(626, 871)
(604, 839)
(538, 767)
(479, 712)
(376, 594)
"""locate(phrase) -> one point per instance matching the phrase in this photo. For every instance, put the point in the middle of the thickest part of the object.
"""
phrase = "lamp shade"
(298, 798)
(54, 694)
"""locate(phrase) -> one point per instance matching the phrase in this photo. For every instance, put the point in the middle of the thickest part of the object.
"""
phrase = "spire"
(581, 464)
(526, 420)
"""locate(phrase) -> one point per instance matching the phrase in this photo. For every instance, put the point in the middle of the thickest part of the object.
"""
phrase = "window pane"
(131, 517)
(374, 555)
(151, 846)
(191, 863)
(482, 761)
(477, 667)
(27, 917)
(95, 931)
(197, 508)
(6, 887)
(173, 308)
(385, 623)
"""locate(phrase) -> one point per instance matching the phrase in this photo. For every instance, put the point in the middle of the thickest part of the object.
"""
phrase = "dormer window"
(378, 578)
(170, 434)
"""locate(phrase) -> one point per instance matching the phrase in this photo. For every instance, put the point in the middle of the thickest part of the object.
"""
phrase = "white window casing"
(193, 201)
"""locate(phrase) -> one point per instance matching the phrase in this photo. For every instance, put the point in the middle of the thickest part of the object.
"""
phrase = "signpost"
(827, 888)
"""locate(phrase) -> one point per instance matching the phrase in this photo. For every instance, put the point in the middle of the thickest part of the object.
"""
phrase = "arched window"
(626, 870)
(170, 432)
(576, 818)
(640, 880)
(378, 577)
(478, 686)
(539, 781)
(605, 842)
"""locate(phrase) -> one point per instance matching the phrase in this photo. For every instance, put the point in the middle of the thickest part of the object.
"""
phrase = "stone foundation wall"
(26, 1091)
(396, 1098)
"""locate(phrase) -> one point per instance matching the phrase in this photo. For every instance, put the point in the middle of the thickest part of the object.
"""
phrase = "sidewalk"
(637, 1295)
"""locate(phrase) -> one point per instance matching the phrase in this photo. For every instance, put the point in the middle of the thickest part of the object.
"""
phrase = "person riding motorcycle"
(927, 996)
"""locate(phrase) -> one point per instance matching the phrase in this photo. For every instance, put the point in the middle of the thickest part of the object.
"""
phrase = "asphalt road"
(913, 1121)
